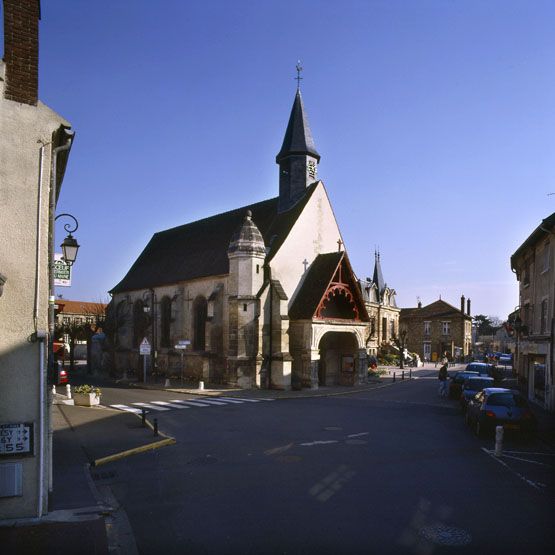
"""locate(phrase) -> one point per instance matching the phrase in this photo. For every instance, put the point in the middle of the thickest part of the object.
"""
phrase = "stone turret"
(246, 255)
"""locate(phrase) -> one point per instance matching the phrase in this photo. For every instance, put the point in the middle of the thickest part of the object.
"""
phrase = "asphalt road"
(392, 470)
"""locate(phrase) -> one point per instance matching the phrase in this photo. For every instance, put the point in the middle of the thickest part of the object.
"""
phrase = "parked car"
(485, 369)
(456, 382)
(473, 385)
(506, 360)
(496, 406)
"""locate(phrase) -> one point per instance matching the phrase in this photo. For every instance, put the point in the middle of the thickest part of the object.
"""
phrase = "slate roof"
(537, 235)
(437, 309)
(378, 276)
(199, 249)
(319, 276)
(298, 137)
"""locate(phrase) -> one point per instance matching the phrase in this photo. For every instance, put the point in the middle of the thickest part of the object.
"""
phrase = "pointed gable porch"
(328, 326)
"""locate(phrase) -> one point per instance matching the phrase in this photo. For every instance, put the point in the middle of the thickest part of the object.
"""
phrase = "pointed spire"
(378, 276)
(298, 138)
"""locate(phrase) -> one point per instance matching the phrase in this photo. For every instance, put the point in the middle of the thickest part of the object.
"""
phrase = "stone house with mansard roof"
(533, 263)
(265, 293)
(382, 309)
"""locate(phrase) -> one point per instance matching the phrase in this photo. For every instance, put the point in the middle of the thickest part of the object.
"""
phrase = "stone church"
(265, 294)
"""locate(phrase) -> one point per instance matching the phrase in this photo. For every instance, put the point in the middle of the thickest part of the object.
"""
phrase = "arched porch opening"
(338, 359)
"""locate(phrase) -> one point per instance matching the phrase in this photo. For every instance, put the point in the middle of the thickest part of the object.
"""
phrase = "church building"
(265, 294)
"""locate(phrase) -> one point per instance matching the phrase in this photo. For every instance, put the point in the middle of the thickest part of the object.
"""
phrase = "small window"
(244, 308)
(445, 328)
(545, 257)
(543, 322)
(427, 328)
(258, 268)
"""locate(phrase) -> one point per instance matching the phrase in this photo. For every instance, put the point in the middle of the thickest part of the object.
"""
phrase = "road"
(392, 470)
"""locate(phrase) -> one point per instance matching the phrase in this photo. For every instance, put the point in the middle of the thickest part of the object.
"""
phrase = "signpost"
(144, 349)
(181, 346)
(16, 439)
(62, 271)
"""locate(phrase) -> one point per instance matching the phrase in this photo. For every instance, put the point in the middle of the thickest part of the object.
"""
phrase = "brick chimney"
(21, 50)
(462, 304)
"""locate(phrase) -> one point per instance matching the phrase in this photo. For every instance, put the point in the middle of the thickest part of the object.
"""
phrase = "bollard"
(403, 375)
(410, 373)
(143, 416)
(201, 385)
(167, 384)
(53, 390)
(393, 376)
(498, 441)
(68, 391)
(155, 426)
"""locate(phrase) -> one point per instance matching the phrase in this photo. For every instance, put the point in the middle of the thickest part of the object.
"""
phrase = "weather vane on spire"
(299, 68)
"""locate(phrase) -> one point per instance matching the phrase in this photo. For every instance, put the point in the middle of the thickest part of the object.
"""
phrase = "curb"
(211, 393)
(134, 451)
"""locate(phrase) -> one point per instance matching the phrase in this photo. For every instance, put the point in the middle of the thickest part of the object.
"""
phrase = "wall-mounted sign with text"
(62, 271)
(16, 439)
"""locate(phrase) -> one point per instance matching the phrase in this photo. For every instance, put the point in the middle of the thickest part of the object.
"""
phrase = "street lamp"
(70, 246)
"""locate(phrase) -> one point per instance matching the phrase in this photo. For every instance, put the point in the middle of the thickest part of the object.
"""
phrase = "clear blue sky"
(435, 121)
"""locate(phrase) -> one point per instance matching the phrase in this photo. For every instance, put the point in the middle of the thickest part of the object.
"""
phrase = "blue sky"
(434, 119)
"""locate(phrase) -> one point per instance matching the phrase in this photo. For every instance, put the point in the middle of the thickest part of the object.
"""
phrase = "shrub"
(87, 389)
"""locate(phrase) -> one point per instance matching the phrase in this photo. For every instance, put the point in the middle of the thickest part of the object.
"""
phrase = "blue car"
(497, 406)
(485, 369)
(473, 385)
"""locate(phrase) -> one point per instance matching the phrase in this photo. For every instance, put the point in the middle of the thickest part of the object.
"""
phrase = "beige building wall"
(315, 232)
(25, 180)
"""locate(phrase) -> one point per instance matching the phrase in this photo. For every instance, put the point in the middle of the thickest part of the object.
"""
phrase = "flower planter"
(86, 399)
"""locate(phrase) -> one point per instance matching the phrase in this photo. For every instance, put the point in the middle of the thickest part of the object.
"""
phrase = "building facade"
(382, 309)
(33, 154)
(438, 328)
(265, 294)
(533, 265)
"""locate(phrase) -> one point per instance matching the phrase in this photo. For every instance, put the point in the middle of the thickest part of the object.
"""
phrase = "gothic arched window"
(165, 322)
(200, 313)
(139, 322)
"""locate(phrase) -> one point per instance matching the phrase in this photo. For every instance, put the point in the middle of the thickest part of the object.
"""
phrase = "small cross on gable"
(339, 245)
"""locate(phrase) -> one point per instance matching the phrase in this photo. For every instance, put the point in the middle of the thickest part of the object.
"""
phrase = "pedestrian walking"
(442, 377)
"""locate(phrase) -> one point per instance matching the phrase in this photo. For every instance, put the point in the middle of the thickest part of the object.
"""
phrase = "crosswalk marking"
(149, 406)
(192, 403)
(211, 402)
(170, 405)
(126, 408)
(200, 402)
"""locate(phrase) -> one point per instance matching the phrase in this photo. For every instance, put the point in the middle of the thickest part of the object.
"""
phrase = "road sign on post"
(181, 346)
(144, 349)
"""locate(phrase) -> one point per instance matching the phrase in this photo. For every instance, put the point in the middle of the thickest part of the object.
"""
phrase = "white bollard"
(498, 441)
(68, 391)
(53, 390)
(201, 385)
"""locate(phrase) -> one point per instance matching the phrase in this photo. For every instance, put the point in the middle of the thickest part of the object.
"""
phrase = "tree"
(401, 343)
(487, 325)
(75, 332)
(96, 312)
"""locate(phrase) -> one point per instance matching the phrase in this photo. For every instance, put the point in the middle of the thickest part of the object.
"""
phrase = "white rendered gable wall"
(315, 232)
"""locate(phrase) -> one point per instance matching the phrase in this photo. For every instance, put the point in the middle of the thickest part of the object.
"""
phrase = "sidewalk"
(79, 515)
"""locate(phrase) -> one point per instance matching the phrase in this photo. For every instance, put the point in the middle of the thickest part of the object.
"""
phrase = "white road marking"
(358, 435)
(149, 406)
(226, 400)
(526, 460)
(170, 405)
(211, 402)
(192, 403)
(318, 442)
(523, 478)
(126, 408)
(530, 453)
(238, 400)
(277, 450)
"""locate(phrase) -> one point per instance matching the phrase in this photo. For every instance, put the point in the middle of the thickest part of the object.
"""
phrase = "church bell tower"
(298, 158)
